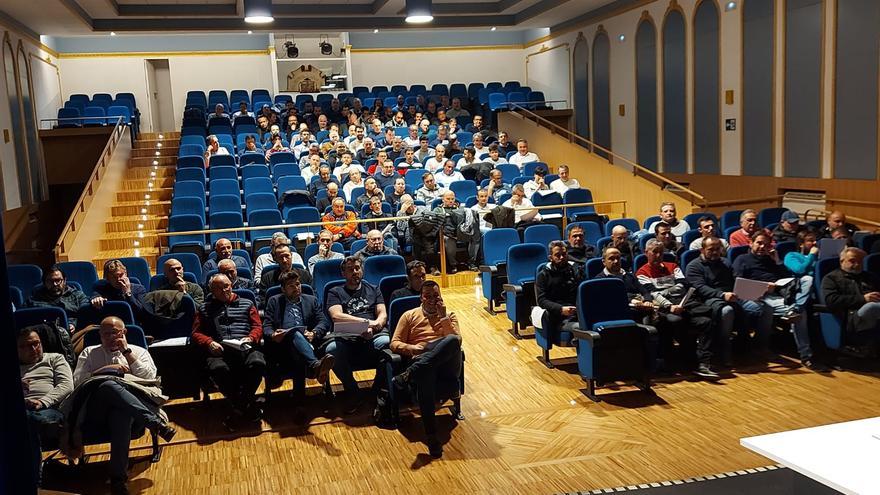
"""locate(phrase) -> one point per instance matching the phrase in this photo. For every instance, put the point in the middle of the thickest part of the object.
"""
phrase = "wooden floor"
(529, 429)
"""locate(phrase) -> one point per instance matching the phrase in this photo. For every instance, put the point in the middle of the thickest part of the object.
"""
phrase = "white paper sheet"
(749, 290)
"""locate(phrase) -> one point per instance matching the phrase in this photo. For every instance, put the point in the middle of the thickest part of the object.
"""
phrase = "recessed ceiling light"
(375, 31)
(729, 6)
(112, 33)
(622, 38)
(493, 28)
(418, 11)
(250, 32)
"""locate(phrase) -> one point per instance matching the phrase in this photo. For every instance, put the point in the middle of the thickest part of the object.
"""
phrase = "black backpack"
(56, 339)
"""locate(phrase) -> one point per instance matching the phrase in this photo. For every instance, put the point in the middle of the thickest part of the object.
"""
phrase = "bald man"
(834, 221)
(223, 251)
(228, 268)
(173, 271)
(111, 406)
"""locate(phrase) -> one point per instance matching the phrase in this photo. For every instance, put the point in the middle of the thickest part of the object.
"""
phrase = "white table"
(844, 456)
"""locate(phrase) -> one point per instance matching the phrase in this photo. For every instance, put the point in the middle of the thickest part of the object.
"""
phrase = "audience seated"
(836, 220)
(678, 317)
(55, 292)
(110, 403)
(46, 380)
(748, 221)
(447, 175)
(366, 152)
(375, 246)
(639, 297)
(333, 193)
(482, 206)
(494, 159)
(296, 321)
(371, 189)
(228, 268)
(458, 224)
(399, 190)
(270, 276)
(788, 299)
(556, 286)
(668, 215)
(173, 271)
(324, 178)
(537, 183)
(223, 249)
(708, 228)
(385, 175)
(356, 302)
(803, 261)
(525, 213)
(346, 230)
(522, 155)
(620, 240)
(712, 278)
(577, 247)
(564, 182)
(789, 227)
(117, 287)
(325, 242)
(497, 187)
(416, 274)
(424, 152)
(227, 329)
(663, 233)
(265, 259)
(250, 146)
(435, 162)
(853, 294)
(429, 190)
(429, 336)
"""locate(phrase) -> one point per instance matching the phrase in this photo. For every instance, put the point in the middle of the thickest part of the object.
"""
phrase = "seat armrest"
(821, 308)
(488, 268)
(585, 334)
(652, 330)
(516, 289)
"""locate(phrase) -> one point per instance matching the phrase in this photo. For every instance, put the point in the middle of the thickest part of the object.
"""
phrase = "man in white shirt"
(242, 111)
(345, 168)
(358, 142)
(667, 214)
(447, 175)
(214, 148)
(522, 155)
(265, 259)
(482, 207)
(306, 142)
(412, 140)
(707, 228)
(564, 182)
(494, 157)
(313, 150)
(536, 184)
(480, 149)
(436, 162)
(111, 407)
(520, 202)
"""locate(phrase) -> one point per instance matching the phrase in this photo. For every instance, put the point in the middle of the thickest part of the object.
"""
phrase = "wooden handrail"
(700, 199)
(85, 199)
(744, 201)
(854, 202)
(369, 220)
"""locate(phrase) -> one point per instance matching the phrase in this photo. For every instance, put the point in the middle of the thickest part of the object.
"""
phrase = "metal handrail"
(108, 118)
(85, 198)
(696, 198)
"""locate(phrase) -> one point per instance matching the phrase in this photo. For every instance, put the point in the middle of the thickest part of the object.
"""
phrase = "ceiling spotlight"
(112, 33)
(375, 31)
(418, 11)
(729, 6)
(250, 32)
(622, 38)
(493, 28)
(326, 47)
(258, 11)
(292, 50)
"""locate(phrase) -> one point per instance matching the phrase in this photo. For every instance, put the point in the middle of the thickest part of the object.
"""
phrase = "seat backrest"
(82, 272)
(770, 215)
(196, 174)
(251, 171)
(463, 189)
(248, 158)
(631, 224)
(824, 267)
(226, 220)
(137, 267)
(594, 267)
(871, 263)
(648, 221)
(687, 257)
(693, 219)
(523, 260)
(580, 195)
(257, 184)
(224, 202)
(602, 299)
(734, 252)
(190, 261)
(730, 219)
(89, 315)
(24, 277)
(189, 188)
(260, 201)
(33, 316)
(400, 306)
(261, 218)
(222, 161)
(378, 267)
(542, 234)
(389, 284)
(188, 205)
(592, 231)
(325, 272)
(496, 244)
(553, 198)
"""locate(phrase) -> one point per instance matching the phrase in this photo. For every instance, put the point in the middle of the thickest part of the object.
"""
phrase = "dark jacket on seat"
(844, 294)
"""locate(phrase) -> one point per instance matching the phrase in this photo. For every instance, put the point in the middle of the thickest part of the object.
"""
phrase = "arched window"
(602, 92)
(707, 91)
(14, 174)
(757, 97)
(581, 63)
(803, 87)
(646, 94)
(674, 94)
(34, 149)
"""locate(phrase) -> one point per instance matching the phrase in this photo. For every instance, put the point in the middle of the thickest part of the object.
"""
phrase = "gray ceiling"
(72, 17)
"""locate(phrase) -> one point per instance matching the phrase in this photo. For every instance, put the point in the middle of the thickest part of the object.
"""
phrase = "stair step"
(150, 254)
(140, 153)
(155, 194)
(155, 135)
(148, 183)
(129, 240)
(147, 172)
(152, 143)
(138, 208)
(147, 161)
(131, 223)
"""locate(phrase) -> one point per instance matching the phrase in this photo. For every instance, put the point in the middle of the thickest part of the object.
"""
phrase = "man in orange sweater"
(431, 338)
(347, 232)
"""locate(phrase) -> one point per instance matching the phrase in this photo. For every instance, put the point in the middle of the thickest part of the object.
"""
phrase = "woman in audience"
(803, 261)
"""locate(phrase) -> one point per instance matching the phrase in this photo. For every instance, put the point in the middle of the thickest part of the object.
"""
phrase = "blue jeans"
(744, 314)
(350, 351)
(800, 329)
(114, 411)
(45, 423)
(302, 348)
(441, 363)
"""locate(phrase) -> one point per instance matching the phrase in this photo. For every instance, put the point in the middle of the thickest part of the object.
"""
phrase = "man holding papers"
(712, 278)
(430, 337)
(359, 334)
(227, 328)
(785, 295)
(296, 322)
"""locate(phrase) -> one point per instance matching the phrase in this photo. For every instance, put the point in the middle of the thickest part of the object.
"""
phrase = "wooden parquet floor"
(529, 430)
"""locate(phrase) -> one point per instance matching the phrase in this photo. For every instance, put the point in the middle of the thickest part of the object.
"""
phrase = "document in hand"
(233, 343)
(748, 289)
(350, 327)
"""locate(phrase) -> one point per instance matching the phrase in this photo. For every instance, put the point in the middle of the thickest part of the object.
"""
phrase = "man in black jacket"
(579, 250)
(284, 259)
(55, 292)
(762, 263)
(556, 287)
(712, 279)
(854, 295)
(117, 287)
(296, 322)
(454, 217)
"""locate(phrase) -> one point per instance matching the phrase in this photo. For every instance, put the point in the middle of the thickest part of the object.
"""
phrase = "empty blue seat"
(188, 205)
(188, 174)
(537, 100)
(378, 267)
(251, 171)
(81, 272)
(94, 116)
(34, 316)
(576, 196)
(224, 186)
(463, 189)
(218, 173)
(285, 169)
(291, 183)
(262, 218)
(282, 157)
(302, 214)
(192, 161)
(553, 198)
(191, 188)
(541, 234)
(183, 223)
(257, 184)
(116, 111)
(69, 117)
(249, 158)
(222, 161)
(226, 220)
(24, 277)
(260, 201)
(509, 172)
